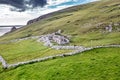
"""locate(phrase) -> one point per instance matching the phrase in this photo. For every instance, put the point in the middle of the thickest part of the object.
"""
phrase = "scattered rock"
(109, 28)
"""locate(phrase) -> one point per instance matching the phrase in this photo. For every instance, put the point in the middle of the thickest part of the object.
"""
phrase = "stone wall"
(5, 65)
(68, 47)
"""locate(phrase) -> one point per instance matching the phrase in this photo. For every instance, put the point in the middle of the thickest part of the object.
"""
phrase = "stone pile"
(46, 39)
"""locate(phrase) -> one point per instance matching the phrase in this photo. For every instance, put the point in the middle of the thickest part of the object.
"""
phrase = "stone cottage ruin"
(54, 37)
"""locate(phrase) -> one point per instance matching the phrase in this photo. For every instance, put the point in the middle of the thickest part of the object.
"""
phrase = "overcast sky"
(18, 12)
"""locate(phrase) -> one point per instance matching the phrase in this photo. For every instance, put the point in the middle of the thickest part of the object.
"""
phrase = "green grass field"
(95, 39)
(26, 50)
(97, 64)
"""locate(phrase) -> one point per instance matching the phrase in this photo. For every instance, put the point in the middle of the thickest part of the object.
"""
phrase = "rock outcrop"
(39, 18)
(13, 29)
(109, 28)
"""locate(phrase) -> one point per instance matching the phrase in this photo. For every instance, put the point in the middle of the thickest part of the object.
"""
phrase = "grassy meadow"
(97, 64)
(26, 50)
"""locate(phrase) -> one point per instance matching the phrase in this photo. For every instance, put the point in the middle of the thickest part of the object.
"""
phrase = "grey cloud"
(22, 5)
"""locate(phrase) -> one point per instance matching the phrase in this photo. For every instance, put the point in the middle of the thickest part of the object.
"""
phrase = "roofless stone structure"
(56, 37)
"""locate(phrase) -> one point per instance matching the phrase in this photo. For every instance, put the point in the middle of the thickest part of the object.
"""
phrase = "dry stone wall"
(5, 65)
(68, 47)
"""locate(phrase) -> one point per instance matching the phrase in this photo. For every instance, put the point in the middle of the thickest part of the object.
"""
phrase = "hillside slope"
(97, 21)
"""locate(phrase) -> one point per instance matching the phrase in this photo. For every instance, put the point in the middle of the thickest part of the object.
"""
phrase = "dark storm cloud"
(22, 5)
